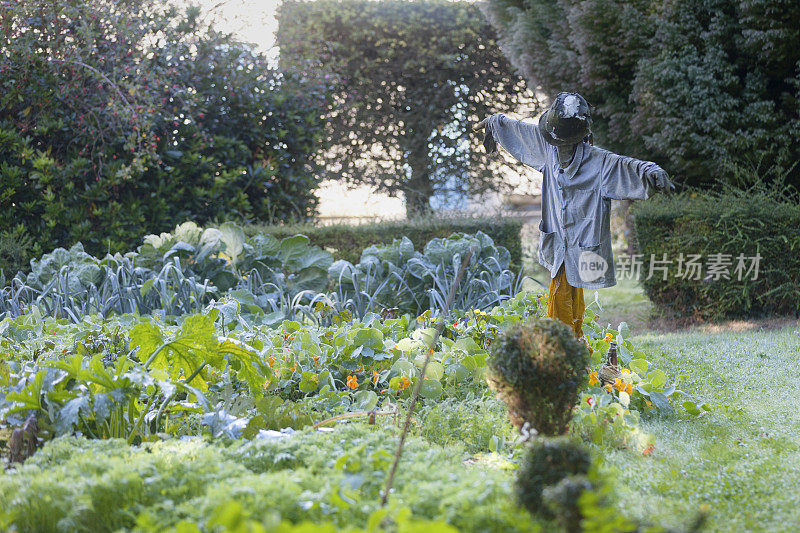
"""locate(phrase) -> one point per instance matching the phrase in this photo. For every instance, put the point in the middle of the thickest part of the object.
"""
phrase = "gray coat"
(576, 201)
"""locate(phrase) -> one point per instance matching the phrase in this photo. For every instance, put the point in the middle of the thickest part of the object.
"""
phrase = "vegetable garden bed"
(205, 419)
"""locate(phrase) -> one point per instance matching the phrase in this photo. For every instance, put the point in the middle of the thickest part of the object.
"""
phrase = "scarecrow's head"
(568, 121)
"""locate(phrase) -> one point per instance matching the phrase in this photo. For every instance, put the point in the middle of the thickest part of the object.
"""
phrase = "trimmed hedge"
(756, 220)
(348, 241)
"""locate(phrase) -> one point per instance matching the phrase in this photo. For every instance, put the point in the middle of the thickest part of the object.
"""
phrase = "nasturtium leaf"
(660, 401)
(430, 389)
(371, 337)
(425, 335)
(364, 400)
(405, 344)
(467, 345)
(457, 373)
(402, 367)
(309, 382)
(435, 370)
(639, 366)
(366, 351)
(657, 378)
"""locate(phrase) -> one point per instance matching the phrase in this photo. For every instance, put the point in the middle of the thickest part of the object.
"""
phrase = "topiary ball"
(537, 368)
(546, 463)
(562, 500)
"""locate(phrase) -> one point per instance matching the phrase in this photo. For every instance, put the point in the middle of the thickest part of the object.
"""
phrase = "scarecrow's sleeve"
(523, 140)
(626, 178)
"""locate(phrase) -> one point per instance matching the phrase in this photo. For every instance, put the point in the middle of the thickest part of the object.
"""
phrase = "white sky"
(252, 21)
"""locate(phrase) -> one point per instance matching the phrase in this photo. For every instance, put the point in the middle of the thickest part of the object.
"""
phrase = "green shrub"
(106, 141)
(756, 220)
(546, 463)
(348, 241)
(562, 500)
(16, 248)
(537, 368)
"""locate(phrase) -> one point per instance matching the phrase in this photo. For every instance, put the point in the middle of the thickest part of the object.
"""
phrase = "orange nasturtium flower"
(352, 382)
(629, 388)
(593, 379)
(609, 337)
(375, 376)
(271, 361)
(609, 388)
(619, 384)
(404, 383)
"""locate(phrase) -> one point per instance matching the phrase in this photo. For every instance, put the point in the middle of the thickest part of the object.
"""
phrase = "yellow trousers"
(565, 303)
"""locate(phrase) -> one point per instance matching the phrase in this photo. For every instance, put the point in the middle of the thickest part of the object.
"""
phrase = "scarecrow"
(579, 182)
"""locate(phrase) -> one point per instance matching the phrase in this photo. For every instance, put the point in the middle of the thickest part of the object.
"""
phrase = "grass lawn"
(742, 459)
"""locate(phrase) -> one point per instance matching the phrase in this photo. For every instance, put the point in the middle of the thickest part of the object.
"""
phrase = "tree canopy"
(409, 78)
(708, 88)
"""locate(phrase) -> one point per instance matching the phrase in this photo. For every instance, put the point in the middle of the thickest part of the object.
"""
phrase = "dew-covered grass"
(743, 459)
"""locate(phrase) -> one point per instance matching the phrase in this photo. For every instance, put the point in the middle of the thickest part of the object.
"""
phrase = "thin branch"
(106, 78)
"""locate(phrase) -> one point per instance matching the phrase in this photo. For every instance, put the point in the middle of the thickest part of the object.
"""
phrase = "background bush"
(693, 84)
(761, 219)
(16, 248)
(347, 241)
(119, 119)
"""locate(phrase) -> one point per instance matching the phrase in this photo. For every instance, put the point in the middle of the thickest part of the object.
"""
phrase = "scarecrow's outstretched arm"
(627, 178)
(521, 139)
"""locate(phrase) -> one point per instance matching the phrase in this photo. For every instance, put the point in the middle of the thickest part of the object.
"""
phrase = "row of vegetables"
(222, 373)
(182, 272)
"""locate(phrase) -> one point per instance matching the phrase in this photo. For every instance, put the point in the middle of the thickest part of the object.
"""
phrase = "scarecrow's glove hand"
(659, 179)
(488, 139)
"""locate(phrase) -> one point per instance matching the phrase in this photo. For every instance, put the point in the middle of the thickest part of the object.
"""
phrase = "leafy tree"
(409, 78)
(123, 118)
(705, 88)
